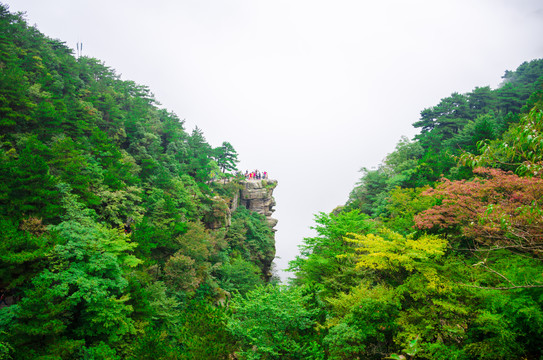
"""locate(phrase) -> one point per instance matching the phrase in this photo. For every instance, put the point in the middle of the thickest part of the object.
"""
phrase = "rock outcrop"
(256, 195)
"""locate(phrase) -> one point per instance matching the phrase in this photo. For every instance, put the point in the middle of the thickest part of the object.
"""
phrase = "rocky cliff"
(256, 195)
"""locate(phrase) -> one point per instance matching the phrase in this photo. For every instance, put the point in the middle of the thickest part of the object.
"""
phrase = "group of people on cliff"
(255, 175)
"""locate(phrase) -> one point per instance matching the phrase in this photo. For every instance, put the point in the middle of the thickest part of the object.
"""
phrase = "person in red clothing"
(3, 296)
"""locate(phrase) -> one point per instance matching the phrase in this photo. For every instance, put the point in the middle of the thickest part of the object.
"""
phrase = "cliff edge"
(254, 195)
(257, 196)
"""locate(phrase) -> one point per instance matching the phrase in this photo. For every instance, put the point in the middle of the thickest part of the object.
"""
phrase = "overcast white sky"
(308, 90)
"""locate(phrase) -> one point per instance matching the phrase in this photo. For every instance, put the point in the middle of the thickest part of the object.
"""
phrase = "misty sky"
(308, 90)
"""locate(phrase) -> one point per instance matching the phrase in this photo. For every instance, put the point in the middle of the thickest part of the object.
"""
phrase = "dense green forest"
(113, 242)
(114, 245)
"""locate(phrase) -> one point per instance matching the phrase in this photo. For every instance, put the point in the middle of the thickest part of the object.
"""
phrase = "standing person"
(3, 296)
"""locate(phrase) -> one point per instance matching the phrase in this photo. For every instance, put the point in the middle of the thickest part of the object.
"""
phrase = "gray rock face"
(257, 196)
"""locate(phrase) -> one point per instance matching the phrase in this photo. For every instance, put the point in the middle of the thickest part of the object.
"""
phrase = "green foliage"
(198, 163)
(444, 119)
(484, 127)
(271, 323)
(204, 333)
(368, 194)
(250, 236)
(101, 351)
(91, 173)
(458, 124)
(23, 250)
(5, 350)
(393, 252)
(519, 149)
(226, 157)
(28, 187)
(107, 252)
(329, 259)
(362, 323)
(239, 275)
(80, 295)
(392, 290)
(424, 282)
(192, 264)
(403, 205)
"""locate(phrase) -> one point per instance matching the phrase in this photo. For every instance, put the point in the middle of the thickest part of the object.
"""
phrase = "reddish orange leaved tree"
(497, 210)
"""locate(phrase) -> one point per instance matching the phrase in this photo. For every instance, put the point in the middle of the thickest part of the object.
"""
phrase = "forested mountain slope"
(437, 254)
(106, 210)
(117, 241)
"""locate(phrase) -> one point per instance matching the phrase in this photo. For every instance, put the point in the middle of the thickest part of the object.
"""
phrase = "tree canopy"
(118, 242)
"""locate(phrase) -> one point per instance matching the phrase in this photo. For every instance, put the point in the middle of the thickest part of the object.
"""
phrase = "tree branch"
(503, 288)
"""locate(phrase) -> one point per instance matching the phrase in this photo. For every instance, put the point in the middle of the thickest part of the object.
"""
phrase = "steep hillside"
(435, 256)
(112, 242)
